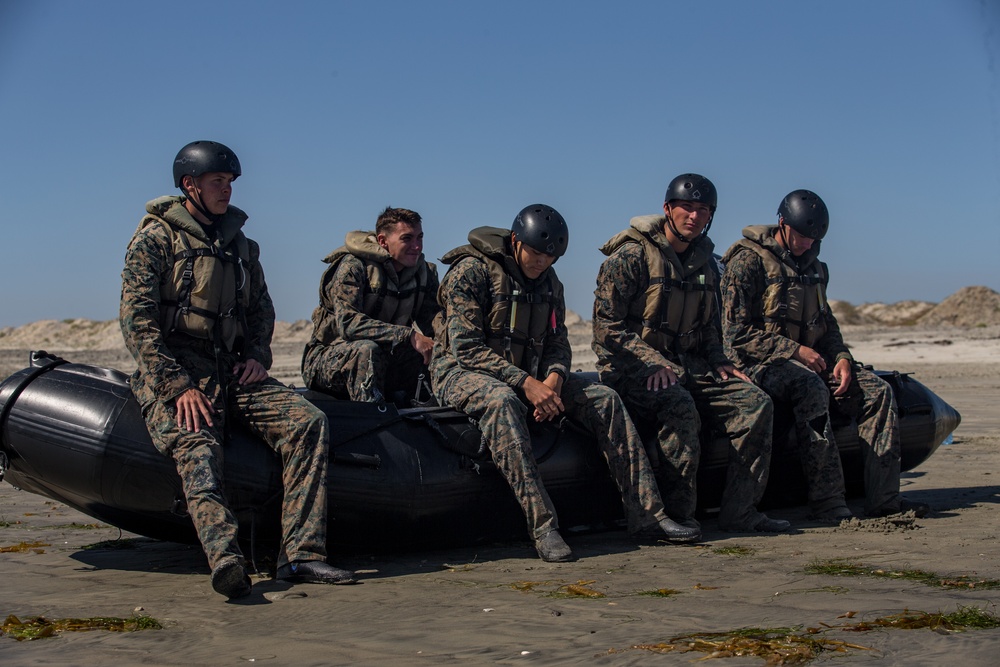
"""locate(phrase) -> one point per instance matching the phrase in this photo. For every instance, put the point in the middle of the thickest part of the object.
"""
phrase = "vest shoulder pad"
(648, 224)
(364, 245)
(491, 241)
(737, 248)
(160, 205)
(627, 236)
(453, 256)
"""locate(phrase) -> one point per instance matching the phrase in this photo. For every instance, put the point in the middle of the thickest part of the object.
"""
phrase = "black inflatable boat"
(399, 477)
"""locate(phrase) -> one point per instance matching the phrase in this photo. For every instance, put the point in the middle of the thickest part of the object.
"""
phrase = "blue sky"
(468, 111)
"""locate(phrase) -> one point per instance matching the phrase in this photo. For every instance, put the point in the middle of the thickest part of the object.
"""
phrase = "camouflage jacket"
(622, 285)
(344, 297)
(466, 297)
(171, 363)
(744, 283)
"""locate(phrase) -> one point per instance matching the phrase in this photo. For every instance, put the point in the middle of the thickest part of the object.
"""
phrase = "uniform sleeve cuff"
(844, 355)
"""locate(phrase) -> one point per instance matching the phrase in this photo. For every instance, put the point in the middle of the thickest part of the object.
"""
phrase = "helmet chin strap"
(681, 237)
(196, 202)
(784, 237)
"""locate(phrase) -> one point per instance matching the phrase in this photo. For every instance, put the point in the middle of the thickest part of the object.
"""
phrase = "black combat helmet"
(542, 227)
(203, 157)
(805, 212)
(692, 187)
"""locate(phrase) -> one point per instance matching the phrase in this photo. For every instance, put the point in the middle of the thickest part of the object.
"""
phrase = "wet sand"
(495, 604)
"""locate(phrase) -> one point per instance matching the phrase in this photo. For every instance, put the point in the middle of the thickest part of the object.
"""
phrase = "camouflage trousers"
(809, 397)
(289, 424)
(362, 370)
(737, 409)
(870, 401)
(502, 414)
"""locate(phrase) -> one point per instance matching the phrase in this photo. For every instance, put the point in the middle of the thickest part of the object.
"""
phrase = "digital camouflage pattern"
(474, 379)
(466, 299)
(169, 365)
(290, 425)
(622, 283)
(732, 407)
(807, 393)
(150, 263)
(522, 313)
(870, 401)
(744, 282)
(361, 370)
(767, 358)
(364, 358)
(680, 303)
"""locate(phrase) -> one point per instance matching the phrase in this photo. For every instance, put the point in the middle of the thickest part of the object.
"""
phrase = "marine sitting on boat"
(780, 330)
(197, 317)
(502, 356)
(372, 331)
(658, 344)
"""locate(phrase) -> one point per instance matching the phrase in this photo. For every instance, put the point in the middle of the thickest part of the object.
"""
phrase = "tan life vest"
(391, 297)
(520, 318)
(675, 309)
(794, 303)
(205, 296)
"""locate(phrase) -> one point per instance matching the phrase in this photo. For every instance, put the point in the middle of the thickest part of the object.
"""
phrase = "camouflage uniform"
(469, 376)
(766, 356)
(171, 362)
(355, 355)
(733, 407)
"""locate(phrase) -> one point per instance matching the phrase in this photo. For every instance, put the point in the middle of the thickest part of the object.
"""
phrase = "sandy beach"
(501, 605)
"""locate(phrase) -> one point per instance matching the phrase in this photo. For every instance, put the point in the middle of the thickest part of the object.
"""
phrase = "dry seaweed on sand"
(529, 586)
(25, 546)
(738, 551)
(583, 589)
(793, 645)
(964, 618)
(840, 567)
(580, 589)
(660, 593)
(777, 646)
(40, 627)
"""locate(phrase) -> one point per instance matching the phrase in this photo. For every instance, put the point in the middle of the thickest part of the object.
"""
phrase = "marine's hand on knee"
(193, 407)
(728, 370)
(662, 378)
(810, 358)
(250, 371)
